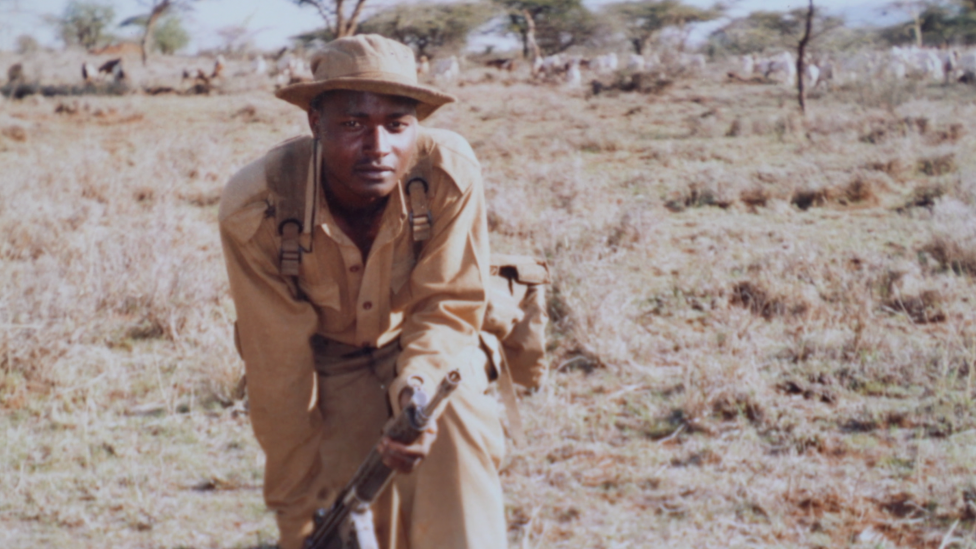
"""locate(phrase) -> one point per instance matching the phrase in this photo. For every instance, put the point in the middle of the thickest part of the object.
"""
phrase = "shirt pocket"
(400, 274)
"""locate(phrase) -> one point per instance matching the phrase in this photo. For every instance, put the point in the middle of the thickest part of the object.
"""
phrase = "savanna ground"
(763, 330)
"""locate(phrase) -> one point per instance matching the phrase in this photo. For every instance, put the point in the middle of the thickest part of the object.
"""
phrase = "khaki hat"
(366, 62)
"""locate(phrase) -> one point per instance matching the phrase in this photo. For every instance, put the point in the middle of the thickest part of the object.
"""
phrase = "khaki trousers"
(453, 500)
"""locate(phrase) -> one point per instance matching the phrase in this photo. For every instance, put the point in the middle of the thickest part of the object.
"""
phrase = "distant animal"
(447, 69)
(89, 73)
(505, 64)
(950, 66)
(604, 63)
(113, 67)
(748, 66)
(781, 68)
(218, 67)
(967, 65)
(812, 76)
(290, 69)
(552, 66)
(259, 66)
(635, 63)
(15, 73)
(573, 77)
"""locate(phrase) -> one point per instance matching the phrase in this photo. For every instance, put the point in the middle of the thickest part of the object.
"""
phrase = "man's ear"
(314, 116)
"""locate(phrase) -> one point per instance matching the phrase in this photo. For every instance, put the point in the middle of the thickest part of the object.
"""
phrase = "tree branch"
(353, 22)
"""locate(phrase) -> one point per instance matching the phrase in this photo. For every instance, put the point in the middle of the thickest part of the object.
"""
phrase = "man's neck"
(360, 222)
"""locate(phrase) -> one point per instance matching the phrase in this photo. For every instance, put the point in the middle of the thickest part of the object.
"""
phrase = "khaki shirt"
(434, 303)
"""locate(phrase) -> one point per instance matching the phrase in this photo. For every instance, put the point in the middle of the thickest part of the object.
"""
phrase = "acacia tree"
(936, 24)
(643, 20)
(429, 25)
(554, 25)
(84, 24)
(914, 9)
(339, 20)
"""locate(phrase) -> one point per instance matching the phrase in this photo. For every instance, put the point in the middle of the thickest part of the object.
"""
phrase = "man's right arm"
(274, 330)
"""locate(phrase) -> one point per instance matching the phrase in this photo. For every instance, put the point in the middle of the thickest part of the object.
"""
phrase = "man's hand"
(401, 457)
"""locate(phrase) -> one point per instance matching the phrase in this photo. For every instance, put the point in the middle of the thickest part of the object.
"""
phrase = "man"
(340, 320)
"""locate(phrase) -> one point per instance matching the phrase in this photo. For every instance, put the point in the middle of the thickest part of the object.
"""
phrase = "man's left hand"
(405, 458)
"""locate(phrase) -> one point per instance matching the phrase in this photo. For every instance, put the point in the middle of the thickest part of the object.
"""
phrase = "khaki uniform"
(376, 324)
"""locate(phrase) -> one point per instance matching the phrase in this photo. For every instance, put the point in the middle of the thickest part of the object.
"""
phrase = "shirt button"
(368, 305)
(354, 269)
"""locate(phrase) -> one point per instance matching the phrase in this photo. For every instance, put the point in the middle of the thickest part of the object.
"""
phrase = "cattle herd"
(287, 66)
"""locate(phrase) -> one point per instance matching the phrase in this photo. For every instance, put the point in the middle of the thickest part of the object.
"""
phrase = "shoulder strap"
(292, 172)
(421, 221)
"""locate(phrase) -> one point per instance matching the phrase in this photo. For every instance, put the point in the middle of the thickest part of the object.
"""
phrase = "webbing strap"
(507, 388)
(420, 218)
(291, 249)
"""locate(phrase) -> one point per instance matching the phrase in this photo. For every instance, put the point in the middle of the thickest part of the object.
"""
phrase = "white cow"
(90, 73)
(812, 76)
(781, 68)
(926, 65)
(748, 64)
(573, 77)
(259, 66)
(635, 63)
(604, 63)
(447, 70)
(553, 64)
(967, 65)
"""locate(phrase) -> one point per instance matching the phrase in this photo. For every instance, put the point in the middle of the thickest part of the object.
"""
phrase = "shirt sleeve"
(447, 285)
(274, 330)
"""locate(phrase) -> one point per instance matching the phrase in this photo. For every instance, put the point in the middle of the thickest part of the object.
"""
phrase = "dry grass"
(762, 325)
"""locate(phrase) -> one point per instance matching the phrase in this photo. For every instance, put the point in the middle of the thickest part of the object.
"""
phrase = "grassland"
(763, 330)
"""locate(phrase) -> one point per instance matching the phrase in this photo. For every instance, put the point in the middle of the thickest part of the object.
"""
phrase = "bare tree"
(801, 64)
(333, 13)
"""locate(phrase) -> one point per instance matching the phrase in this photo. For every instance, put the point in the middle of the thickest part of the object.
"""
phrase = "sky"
(271, 22)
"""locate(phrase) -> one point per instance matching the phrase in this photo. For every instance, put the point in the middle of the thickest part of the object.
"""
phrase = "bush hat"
(366, 62)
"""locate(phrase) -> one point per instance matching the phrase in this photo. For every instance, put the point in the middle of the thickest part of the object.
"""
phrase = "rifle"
(348, 524)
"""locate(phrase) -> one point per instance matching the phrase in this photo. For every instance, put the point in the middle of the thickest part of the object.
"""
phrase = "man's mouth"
(373, 170)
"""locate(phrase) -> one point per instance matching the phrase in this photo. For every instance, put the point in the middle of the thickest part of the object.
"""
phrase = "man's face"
(368, 140)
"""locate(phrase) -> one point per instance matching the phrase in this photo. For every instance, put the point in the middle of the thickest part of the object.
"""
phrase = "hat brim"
(428, 99)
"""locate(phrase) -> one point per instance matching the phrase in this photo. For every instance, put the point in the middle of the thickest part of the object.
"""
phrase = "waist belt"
(335, 359)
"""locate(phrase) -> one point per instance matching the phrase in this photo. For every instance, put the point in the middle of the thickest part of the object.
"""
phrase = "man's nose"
(377, 141)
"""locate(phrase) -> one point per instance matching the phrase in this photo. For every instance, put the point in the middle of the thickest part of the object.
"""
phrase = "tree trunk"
(801, 62)
(157, 11)
(530, 43)
(918, 30)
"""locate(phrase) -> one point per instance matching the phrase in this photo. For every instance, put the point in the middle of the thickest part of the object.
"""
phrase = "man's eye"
(350, 124)
(397, 125)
